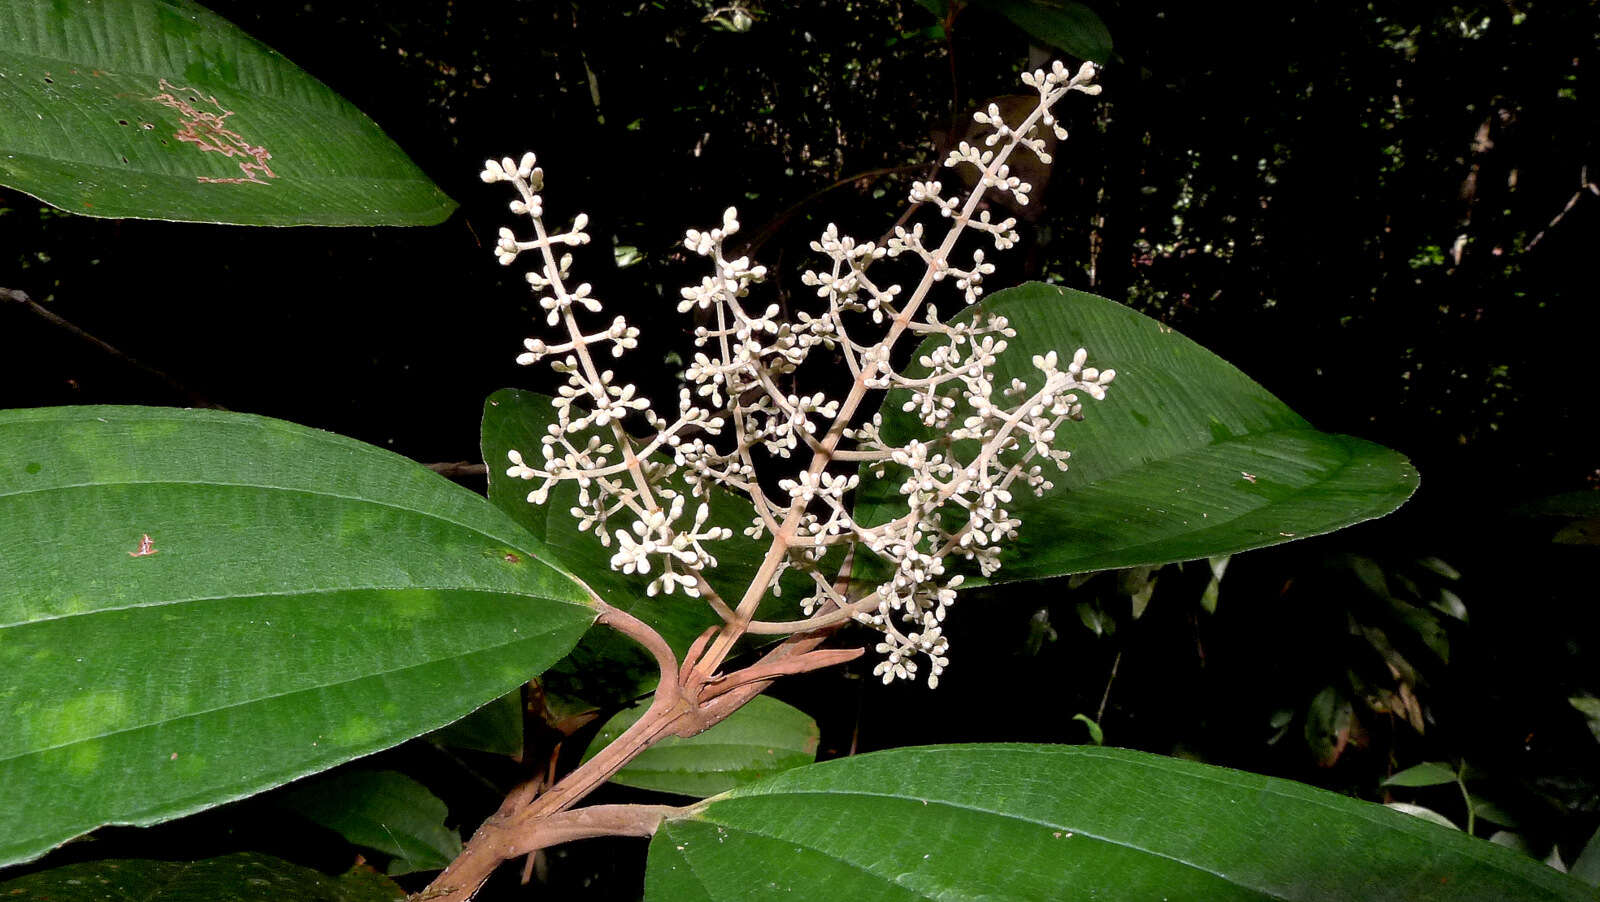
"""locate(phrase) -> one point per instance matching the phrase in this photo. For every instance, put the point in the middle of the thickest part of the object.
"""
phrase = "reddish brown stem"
(526, 823)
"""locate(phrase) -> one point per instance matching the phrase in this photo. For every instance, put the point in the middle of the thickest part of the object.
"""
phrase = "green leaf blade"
(163, 110)
(310, 600)
(383, 810)
(763, 738)
(1111, 824)
(495, 728)
(1186, 458)
(241, 877)
(1428, 773)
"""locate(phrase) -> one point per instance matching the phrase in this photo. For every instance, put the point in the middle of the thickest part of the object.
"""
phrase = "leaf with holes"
(1186, 458)
(1027, 821)
(160, 109)
(196, 606)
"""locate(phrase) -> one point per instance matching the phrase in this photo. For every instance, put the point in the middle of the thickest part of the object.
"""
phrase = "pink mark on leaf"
(147, 547)
(209, 131)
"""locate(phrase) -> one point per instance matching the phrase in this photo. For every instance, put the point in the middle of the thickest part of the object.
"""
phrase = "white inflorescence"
(734, 403)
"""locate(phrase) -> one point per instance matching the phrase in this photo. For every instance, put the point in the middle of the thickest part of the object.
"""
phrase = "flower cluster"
(737, 410)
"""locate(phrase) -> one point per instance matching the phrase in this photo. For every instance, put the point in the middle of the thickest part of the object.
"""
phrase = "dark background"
(1351, 202)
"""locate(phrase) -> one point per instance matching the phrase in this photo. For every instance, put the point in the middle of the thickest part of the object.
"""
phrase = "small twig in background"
(458, 469)
(194, 398)
(1116, 662)
(1583, 185)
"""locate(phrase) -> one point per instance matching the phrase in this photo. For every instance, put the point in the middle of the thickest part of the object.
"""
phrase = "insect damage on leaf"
(210, 132)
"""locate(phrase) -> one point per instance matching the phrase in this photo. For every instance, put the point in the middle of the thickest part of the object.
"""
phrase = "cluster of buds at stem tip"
(648, 497)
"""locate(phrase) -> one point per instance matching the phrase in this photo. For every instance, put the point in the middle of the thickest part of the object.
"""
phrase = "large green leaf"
(1186, 458)
(159, 109)
(309, 600)
(762, 738)
(1057, 822)
(242, 877)
(383, 810)
(607, 665)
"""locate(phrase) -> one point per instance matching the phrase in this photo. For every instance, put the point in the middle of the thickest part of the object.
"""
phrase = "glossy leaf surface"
(160, 109)
(1051, 822)
(303, 599)
(242, 877)
(1186, 458)
(763, 738)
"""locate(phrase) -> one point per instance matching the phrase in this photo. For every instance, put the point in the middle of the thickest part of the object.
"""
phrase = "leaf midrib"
(1372, 814)
(1231, 517)
(964, 807)
(266, 487)
(290, 593)
(358, 180)
(264, 698)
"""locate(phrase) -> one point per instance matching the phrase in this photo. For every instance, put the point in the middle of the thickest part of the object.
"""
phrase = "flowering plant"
(954, 495)
(858, 516)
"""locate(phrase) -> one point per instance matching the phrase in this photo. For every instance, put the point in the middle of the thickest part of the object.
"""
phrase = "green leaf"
(1028, 821)
(309, 599)
(160, 109)
(495, 728)
(1140, 584)
(1587, 865)
(1485, 810)
(1096, 734)
(1440, 567)
(1213, 589)
(1451, 605)
(241, 877)
(1427, 814)
(1186, 458)
(1510, 840)
(1062, 24)
(383, 810)
(1589, 707)
(763, 738)
(1095, 619)
(1327, 726)
(1428, 773)
(607, 665)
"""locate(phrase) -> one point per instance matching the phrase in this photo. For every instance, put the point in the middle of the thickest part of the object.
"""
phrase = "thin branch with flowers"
(648, 498)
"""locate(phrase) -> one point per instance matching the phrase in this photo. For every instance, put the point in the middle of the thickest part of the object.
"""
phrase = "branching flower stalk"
(648, 499)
